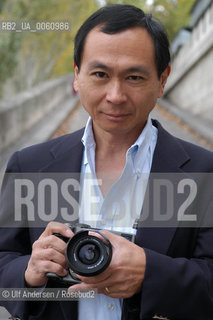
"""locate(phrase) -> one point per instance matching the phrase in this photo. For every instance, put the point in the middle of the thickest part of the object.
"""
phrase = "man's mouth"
(116, 116)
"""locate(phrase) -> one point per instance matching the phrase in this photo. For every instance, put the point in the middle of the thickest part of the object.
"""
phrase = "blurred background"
(37, 100)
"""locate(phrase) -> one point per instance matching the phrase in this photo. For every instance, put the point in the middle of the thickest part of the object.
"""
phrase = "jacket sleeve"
(15, 248)
(180, 288)
(176, 287)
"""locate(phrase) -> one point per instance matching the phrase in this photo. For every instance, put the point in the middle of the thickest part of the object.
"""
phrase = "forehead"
(134, 43)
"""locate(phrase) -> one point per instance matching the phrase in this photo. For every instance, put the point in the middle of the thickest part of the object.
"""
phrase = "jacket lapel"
(67, 155)
(169, 157)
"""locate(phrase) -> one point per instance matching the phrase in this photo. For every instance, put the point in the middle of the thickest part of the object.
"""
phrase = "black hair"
(115, 18)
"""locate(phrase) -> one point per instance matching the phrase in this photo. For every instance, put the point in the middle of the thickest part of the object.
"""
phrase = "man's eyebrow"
(98, 65)
(138, 68)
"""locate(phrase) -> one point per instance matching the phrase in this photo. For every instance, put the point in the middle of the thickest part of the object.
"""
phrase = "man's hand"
(124, 276)
(47, 255)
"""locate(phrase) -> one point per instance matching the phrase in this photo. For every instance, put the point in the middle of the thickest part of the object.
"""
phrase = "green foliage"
(8, 45)
(28, 58)
(174, 14)
(137, 3)
(2, 2)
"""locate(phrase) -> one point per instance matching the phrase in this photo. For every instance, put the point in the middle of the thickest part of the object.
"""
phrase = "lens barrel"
(88, 255)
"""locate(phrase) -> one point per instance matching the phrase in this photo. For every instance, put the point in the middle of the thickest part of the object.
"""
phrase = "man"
(121, 68)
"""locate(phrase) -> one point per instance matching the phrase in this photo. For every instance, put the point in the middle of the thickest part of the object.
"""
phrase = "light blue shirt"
(119, 209)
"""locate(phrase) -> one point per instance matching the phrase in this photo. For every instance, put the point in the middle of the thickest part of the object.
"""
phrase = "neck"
(109, 143)
(110, 155)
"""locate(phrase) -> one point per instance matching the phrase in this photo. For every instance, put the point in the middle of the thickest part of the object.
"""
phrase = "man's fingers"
(50, 254)
(51, 266)
(97, 279)
(50, 242)
(57, 227)
(121, 290)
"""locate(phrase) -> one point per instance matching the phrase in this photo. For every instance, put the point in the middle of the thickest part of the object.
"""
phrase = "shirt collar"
(145, 135)
(144, 139)
(88, 137)
(88, 141)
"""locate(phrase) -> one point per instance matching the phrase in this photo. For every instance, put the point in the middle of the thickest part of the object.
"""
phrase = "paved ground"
(78, 117)
(180, 129)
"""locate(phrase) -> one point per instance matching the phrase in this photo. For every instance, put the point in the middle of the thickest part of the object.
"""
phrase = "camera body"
(86, 254)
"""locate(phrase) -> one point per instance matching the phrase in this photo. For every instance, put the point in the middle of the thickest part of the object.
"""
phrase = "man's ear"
(75, 83)
(163, 80)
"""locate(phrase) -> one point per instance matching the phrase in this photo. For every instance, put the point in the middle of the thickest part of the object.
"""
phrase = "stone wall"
(190, 84)
(21, 112)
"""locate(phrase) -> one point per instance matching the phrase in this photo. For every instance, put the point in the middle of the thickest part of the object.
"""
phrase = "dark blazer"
(178, 280)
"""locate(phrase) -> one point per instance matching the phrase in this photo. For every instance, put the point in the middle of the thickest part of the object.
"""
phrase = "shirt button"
(111, 306)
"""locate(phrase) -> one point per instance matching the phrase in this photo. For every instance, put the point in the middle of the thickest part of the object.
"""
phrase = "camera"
(86, 254)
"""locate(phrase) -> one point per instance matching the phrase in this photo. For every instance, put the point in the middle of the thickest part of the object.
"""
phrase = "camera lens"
(89, 253)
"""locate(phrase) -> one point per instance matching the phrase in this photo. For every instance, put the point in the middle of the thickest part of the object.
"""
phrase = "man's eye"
(135, 78)
(100, 74)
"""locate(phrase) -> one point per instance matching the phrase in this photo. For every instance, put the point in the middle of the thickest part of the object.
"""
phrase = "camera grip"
(65, 239)
(52, 275)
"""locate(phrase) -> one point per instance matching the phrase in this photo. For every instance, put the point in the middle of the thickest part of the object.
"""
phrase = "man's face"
(118, 82)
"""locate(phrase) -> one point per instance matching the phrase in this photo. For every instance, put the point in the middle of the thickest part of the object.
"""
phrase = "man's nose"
(116, 93)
